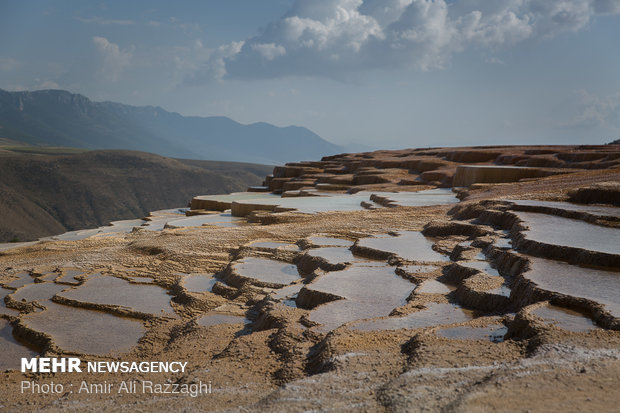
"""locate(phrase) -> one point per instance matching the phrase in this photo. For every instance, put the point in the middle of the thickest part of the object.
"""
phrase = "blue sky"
(383, 73)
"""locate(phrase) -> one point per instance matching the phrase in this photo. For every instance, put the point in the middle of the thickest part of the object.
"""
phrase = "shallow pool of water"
(86, 331)
(418, 269)
(142, 280)
(10, 245)
(434, 314)
(564, 318)
(122, 227)
(108, 290)
(334, 255)
(267, 244)
(198, 283)
(503, 243)
(3, 308)
(157, 220)
(315, 204)
(503, 290)
(409, 245)
(494, 333)
(483, 266)
(266, 270)
(223, 219)
(368, 291)
(593, 284)
(291, 302)
(12, 350)
(23, 278)
(73, 235)
(68, 277)
(238, 196)
(169, 212)
(439, 196)
(320, 241)
(601, 211)
(352, 202)
(287, 292)
(554, 230)
(435, 287)
(41, 292)
(49, 276)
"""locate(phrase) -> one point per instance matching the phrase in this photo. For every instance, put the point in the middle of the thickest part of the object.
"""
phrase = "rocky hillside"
(60, 118)
(443, 167)
(46, 194)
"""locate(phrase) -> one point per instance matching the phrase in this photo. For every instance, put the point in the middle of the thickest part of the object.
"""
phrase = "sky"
(380, 73)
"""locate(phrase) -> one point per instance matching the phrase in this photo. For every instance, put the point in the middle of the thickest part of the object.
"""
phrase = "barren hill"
(46, 194)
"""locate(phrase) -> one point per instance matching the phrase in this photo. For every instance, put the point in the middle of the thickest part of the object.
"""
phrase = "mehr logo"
(72, 364)
(51, 365)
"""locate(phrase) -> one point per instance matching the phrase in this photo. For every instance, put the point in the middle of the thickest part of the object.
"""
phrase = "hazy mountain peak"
(61, 118)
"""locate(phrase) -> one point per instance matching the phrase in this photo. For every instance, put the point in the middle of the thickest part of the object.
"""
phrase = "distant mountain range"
(61, 118)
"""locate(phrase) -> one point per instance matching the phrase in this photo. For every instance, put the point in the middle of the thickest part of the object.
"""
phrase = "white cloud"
(36, 84)
(214, 67)
(269, 51)
(187, 61)
(8, 64)
(101, 20)
(495, 61)
(335, 37)
(114, 59)
(607, 6)
(16, 88)
(46, 84)
(591, 110)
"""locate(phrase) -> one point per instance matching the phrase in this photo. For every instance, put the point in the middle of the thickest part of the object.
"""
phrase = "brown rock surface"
(260, 346)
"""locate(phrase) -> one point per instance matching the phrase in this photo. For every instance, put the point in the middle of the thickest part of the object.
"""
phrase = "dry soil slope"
(43, 195)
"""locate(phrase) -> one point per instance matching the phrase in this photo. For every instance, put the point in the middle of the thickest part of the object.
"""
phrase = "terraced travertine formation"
(362, 282)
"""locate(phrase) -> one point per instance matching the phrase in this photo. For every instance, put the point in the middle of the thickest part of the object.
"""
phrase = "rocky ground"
(508, 300)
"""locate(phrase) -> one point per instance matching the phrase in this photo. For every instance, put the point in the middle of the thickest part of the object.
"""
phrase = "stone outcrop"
(602, 193)
(467, 175)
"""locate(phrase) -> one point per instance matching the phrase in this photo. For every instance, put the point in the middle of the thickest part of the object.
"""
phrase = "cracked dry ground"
(508, 301)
